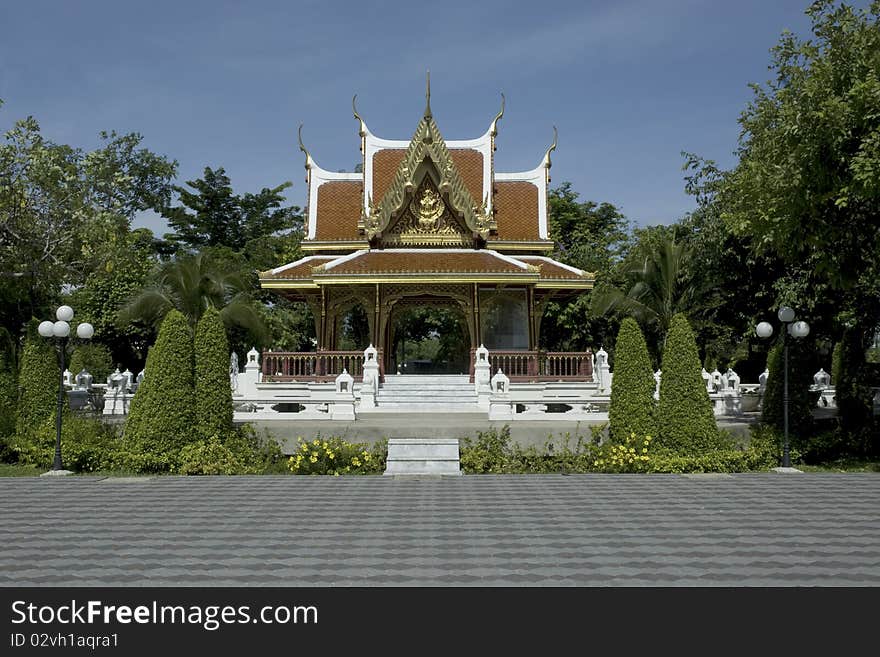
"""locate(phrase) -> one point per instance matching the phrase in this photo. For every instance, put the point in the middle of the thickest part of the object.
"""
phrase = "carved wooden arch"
(441, 295)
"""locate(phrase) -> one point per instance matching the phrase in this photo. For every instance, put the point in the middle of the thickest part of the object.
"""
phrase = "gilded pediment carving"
(427, 158)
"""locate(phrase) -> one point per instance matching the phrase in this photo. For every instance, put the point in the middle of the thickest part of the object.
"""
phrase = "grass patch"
(18, 470)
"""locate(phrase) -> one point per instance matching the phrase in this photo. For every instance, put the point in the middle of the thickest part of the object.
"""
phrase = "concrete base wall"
(375, 427)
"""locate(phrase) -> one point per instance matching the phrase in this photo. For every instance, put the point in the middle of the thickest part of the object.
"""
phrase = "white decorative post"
(482, 377)
(603, 372)
(127, 378)
(762, 380)
(657, 376)
(500, 407)
(343, 401)
(247, 382)
(707, 378)
(716, 380)
(68, 377)
(821, 379)
(731, 380)
(370, 386)
(731, 393)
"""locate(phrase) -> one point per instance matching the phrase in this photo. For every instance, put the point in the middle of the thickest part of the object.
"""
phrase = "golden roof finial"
(546, 162)
(428, 94)
(302, 147)
(493, 128)
(363, 130)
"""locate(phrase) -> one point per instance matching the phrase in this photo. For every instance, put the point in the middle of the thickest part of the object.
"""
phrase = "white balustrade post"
(500, 406)
(370, 386)
(482, 377)
(342, 407)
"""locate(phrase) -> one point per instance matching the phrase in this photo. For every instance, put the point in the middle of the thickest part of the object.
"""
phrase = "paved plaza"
(550, 530)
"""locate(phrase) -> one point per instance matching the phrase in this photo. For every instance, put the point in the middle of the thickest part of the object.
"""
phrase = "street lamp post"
(60, 331)
(796, 329)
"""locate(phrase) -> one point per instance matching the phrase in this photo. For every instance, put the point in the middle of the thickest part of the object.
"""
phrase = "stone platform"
(423, 456)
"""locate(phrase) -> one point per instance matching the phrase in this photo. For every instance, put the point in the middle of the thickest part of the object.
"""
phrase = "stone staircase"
(447, 393)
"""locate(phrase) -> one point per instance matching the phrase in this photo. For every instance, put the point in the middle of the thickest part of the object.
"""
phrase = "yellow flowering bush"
(631, 455)
(335, 456)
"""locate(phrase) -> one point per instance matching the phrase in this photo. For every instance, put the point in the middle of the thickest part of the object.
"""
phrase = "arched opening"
(428, 338)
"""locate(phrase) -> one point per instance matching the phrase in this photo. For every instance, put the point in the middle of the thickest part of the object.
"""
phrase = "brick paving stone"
(541, 530)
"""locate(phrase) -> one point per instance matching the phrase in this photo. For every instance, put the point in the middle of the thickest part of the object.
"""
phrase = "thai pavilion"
(428, 222)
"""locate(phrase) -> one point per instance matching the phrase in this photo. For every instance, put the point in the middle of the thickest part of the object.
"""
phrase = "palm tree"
(192, 284)
(659, 289)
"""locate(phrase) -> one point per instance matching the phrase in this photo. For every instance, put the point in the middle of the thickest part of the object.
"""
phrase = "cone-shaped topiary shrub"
(38, 387)
(162, 413)
(632, 391)
(213, 392)
(685, 419)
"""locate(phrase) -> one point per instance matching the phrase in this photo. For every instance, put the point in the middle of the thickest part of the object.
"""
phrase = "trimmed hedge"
(213, 392)
(684, 414)
(632, 392)
(38, 387)
(162, 414)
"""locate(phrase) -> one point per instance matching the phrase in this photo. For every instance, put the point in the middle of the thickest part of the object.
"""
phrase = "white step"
(423, 456)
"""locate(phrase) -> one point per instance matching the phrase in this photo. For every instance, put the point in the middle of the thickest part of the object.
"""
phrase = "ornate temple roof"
(348, 210)
(426, 210)
(425, 265)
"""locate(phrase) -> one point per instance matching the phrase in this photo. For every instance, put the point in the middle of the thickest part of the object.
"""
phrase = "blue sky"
(629, 84)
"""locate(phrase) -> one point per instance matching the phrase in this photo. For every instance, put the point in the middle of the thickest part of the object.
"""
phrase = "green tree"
(212, 215)
(213, 390)
(656, 288)
(162, 413)
(191, 284)
(593, 237)
(632, 392)
(63, 209)
(93, 357)
(109, 287)
(807, 184)
(684, 414)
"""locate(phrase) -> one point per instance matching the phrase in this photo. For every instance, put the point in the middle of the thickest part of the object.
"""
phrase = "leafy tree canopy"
(212, 215)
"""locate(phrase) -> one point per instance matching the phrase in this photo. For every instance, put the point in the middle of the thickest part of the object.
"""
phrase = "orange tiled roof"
(552, 270)
(299, 270)
(469, 163)
(516, 211)
(339, 208)
(444, 261)
(385, 163)
(470, 167)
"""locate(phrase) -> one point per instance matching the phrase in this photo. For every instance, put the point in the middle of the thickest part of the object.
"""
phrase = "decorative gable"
(427, 158)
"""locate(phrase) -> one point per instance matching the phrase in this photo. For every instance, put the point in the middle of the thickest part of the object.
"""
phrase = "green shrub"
(213, 392)
(38, 380)
(487, 453)
(685, 419)
(632, 392)
(8, 407)
(801, 400)
(335, 456)
(161, 419)
(87, 444)
(94, 358)
(210, 457)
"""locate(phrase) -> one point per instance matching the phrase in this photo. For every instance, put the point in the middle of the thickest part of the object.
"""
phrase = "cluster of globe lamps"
(60, 331)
